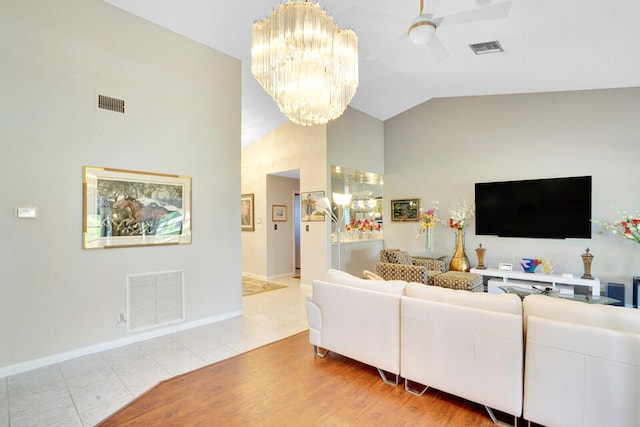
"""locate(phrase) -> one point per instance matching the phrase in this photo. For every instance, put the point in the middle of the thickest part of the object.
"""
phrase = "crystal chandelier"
(308, 65)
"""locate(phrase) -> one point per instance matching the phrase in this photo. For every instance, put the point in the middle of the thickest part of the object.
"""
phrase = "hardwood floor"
(284, 384)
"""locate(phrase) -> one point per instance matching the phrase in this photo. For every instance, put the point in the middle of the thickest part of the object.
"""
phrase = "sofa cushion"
(506, 303)
(460, 280)
(394, 287)
(370, 275)
(623, 319)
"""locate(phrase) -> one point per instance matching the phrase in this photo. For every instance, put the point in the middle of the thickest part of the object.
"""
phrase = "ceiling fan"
(423, 29)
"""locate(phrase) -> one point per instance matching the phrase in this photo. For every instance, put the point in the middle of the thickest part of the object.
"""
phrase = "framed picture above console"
(405, 210)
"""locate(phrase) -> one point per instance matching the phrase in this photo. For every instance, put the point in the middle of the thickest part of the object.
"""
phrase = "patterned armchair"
(395, 264)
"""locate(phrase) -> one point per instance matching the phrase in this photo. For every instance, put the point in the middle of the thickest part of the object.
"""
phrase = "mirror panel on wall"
(362, 219)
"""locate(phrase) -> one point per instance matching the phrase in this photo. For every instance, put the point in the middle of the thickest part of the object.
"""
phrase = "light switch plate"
(23, 212)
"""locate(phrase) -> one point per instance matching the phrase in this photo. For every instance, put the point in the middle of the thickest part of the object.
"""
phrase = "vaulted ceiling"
(548, 46)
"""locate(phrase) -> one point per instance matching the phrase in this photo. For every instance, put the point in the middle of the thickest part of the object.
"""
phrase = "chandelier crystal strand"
(308, 66)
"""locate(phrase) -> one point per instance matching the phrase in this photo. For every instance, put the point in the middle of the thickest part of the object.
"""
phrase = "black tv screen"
(556, 208)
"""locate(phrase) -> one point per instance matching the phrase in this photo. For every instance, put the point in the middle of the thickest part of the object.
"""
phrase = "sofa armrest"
(314, 318)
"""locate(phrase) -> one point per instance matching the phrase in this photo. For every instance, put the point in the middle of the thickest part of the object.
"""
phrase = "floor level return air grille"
(155, 299)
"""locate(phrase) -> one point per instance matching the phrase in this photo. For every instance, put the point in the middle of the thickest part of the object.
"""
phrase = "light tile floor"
(84, 391)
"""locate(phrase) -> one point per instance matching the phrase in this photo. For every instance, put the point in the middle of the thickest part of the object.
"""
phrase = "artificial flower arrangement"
(363, 225)
(460, 213)
(628, 227)
(428, 219)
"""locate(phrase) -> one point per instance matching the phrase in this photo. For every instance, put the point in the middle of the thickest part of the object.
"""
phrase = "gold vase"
(459, 260)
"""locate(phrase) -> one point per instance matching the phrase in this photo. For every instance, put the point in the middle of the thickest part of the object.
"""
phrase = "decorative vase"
(587, 258)
(480, 253)
(459, 260)
(428, 239)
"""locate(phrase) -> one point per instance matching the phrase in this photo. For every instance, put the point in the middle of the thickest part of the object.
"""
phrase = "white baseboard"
(108, 345)
(255, 276)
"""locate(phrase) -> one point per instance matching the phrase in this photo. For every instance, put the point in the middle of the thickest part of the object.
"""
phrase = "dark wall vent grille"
(111, 104)
(486, 47)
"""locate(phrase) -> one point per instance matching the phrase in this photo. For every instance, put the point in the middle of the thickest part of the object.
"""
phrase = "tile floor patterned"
(83, 391)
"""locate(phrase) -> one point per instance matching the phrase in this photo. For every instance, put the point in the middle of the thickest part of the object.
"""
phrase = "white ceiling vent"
(486, 47)
(111, 104)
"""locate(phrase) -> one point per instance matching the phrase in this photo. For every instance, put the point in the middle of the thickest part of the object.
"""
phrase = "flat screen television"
(557, 208)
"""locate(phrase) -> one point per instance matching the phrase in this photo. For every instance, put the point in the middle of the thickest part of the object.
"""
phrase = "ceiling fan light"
(421, 30)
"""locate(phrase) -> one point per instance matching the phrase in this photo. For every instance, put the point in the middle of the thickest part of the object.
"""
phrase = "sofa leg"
(414, 391)
(495, 420)
(317, 353)
(493, 417)
(383, 375)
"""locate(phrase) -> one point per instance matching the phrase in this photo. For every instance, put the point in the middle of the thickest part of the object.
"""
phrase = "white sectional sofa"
(582, 365)
(357, 318)
(464, 343)
(554, 361)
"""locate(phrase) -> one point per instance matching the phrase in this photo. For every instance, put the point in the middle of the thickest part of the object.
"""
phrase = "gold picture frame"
(123, 208)
(247, 209)
(405, 210)
(278, 213)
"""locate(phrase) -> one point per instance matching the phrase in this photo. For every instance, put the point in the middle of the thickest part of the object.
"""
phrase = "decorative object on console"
(480, 253)
(459, 215)
(547, 268)
(587, 258)
(428, 222)
(529, 264)
(505, 266)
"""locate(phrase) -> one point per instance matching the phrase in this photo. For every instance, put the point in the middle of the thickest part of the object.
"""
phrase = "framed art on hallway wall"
(130, 208)
(279, 213)
(308, 208)
(246, 212)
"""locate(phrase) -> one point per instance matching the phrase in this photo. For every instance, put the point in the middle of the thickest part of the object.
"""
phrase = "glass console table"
(589, 299)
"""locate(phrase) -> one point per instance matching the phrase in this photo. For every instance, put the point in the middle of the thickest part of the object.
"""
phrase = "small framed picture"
(505, 266)
(278, 213)
(246, 212)
(308, 209)
(405, 210)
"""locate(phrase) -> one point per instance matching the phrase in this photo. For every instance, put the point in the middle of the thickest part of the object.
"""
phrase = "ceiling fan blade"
(493, 11)
(385, 49)
(436, 48)
(378, 15)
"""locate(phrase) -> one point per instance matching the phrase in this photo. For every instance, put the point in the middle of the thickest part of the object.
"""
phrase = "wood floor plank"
(284, 384)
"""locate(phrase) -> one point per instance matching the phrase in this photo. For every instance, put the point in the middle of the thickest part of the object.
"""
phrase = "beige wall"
(182, 117)
(355, 140)
(280, 242)
(439, 149)
(287, 148)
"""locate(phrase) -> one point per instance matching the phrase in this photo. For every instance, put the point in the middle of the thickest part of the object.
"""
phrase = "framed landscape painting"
(278, 213)
(405, 210)
(129, 208)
